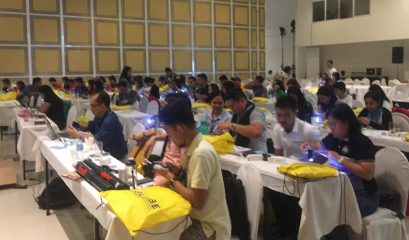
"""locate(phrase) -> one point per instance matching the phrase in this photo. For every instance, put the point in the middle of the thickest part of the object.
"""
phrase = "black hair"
(228, 85)
(71, 80)
(280, 84)
(65, 79)
(193, 78)
(327, 81)
(235, 94)
(202, 76)
(178, 97)
(112, 77)
(36, 80)
(79, 79)
(6, 80)
(293, 82)
(102, 79)
(330, 61)
(287, 69)
(326, 75)
(216, 94)
(341, 86)
(342, 72)
(98, 86)
(337, 76)
(376, 96)
(47, 91)
(168, 69)
(124, 73)
(178, 85)
(162, 78)
(177, 112)
(52, 80)
(103, 98)
(122, 84)
(297, 92)
(342, 112)
(214, 87)
(91, 84)
(223, 78)
(236, 79)
(260, 79)
(139, 80)
(269, 71)
(287, 102)
(329, 92)
(149, 80)
(182, 79)
(22, 84)
(378, 89)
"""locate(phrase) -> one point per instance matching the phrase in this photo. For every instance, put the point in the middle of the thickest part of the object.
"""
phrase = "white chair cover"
(113, 99)
(392, 84)
(357, 82)
(357, 104)
(31, 101)
(72, 115)
(348, 79)
(77, 106)
(377, 82)
(252, 184)
(391, 92)
(387, 105)
(365, 82)
(153, 108)
(39, 101)
(198, 118)
(136, 105)
(143, 104)
(383, 82)
(137, 129)
(352, 90)
(311, 100)
(89, 114)
(157, 149)
(401, 121)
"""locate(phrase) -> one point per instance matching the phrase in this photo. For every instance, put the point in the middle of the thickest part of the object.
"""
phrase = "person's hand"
(173, 168)
(304, 147)
(123, 102)
(219, 132)
(207, 123)
(224, 126)
(333, 157)
(149, 145)
(364, 120)
(198, 95)
(163, 172)
(73, 132)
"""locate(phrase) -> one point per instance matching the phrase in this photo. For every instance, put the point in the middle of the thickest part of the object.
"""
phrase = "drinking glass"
(391, 130)
(100, 148)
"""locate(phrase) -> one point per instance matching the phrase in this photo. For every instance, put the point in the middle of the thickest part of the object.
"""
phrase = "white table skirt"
(320, 200)
(60, 160)
(129, 118)
(6, 112)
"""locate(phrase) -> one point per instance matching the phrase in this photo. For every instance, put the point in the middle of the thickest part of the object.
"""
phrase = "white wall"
(279, 13)
(359, 56)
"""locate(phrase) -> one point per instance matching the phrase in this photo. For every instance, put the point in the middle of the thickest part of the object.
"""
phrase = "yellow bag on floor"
(223, 143)
(142, 208)
(308, 170)
(260, 99)
(8, 96)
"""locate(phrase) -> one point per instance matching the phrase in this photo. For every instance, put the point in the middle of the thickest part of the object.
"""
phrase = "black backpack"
(236, 202)
(59, 195)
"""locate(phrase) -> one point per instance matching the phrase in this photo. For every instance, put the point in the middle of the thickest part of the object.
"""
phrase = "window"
(318, 11)
(361, 7)
(345, 9)
(332, 9)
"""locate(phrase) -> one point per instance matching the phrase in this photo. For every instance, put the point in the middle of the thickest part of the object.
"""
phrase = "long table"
(320, 200)
(129, 118)
(6, 113)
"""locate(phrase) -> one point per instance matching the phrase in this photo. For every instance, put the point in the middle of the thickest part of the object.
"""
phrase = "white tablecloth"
(129, 118)
(6, 113)
(320, 200)
(60, 160)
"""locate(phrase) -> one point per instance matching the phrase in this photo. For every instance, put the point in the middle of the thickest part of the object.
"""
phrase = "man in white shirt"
(291, 132)
(331, 69)
(205, 187)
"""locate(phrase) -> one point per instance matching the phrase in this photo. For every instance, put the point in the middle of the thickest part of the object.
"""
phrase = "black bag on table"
(59, 195)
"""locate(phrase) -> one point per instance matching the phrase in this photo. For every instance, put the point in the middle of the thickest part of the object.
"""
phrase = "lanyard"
(377, 116)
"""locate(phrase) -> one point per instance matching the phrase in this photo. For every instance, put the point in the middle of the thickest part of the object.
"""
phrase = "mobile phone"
(76, 125)
(159, 166)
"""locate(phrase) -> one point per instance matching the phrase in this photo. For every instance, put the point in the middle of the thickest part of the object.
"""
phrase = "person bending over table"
(105, 127)
(80, 88)
(127, 96)
(54, 83)
(8, 86)
(32, 90)
(204, 186)
(353, 153)
(203, 92)
(154, 92)
(374, 114)
(326, 100)
(248, 123)
(341, 92)
(53, 106)
(217, 113)
(257, 86)
(305, 109)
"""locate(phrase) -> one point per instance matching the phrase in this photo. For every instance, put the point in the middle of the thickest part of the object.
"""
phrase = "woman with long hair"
(278, 89)
(91, 87)
(386, 102)
(340, 91)
(305, 109)
(53, 106)
(326, 100)
(126, 75)
(374, 114)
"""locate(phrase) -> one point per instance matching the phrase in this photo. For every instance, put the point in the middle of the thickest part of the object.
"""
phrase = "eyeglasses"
(333, 125)
(94, 105)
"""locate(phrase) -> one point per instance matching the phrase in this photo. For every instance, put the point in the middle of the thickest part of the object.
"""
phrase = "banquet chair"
(89, 114)
(311, 100)
(391, 93)
(348, 81)
(157, 149)
(137, 129)
(383, 82)
(113, 99)
(252, 183)
(377, 82)
(152, 108)
(357, 104)
(136, 105)
(143, 104)
(365, 82)
(391, 173)
(392, 83)
(357, 82)
(31, 101)
(39, 101)
(198, 118)
(77, 106)
(71, 116)
(401, 121)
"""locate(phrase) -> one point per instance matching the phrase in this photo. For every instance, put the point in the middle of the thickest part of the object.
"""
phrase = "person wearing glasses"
(105, 127)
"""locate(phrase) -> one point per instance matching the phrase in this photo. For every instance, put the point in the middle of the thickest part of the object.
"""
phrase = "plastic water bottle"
(59, 92)
(80, 150)
(248, 95)
(77, 95)
(89, 97)
(203, 129)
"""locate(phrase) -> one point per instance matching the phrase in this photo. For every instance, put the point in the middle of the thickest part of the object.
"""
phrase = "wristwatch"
(172, 181)
(341, 160)
(233, 127)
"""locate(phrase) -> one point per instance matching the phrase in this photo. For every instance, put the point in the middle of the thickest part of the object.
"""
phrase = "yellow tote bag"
(8, 96)
(142, 208)
(308, 170)
(223, 143)
(201, 105)
(260, 99)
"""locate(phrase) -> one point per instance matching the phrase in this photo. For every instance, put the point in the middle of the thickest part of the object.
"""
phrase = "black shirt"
(384, 121)
(56, 110)
(154, 91)
(359, 147)
(204, 91)
(305, 112)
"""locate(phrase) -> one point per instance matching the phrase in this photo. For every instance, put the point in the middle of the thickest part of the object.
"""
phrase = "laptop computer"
(55, 135)
(400, 104)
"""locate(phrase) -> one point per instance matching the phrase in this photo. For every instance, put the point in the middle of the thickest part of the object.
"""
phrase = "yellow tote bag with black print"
(142, 208)
(308, 170)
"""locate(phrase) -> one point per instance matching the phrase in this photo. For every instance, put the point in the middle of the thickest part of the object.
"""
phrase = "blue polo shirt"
(108, 130)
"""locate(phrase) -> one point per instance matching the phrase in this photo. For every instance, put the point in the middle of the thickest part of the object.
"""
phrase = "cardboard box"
(7, 172)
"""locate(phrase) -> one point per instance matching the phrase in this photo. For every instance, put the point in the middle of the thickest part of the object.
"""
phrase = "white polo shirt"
(291, 142)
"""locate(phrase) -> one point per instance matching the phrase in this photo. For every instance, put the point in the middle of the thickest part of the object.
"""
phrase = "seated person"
(353, 153)
(191, 82)
(163, 83)
(278, 90)
(99, 86)
(127, 96)
(71, 85)
(374, 114)
(154, 92)
(20, 90)
(291, 131)
(283, 75)
(213, 88)
(326, 100)
(204, 183)
(386, 102)
(139, 86)
(105, 127)
(202, 93)
(8, 86)
(32, 90)
(53, 106)
(66, 87)
(294, 83)
(305, 109)
(112, 82)
(217, 113)
(237, 84)
(173, 86)
(91, 87)
(227, 86)
(223, 79)
(248, 122)
(257, 87)
(341, 92)
(182, 81)
(80, 88)
(54, 83)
